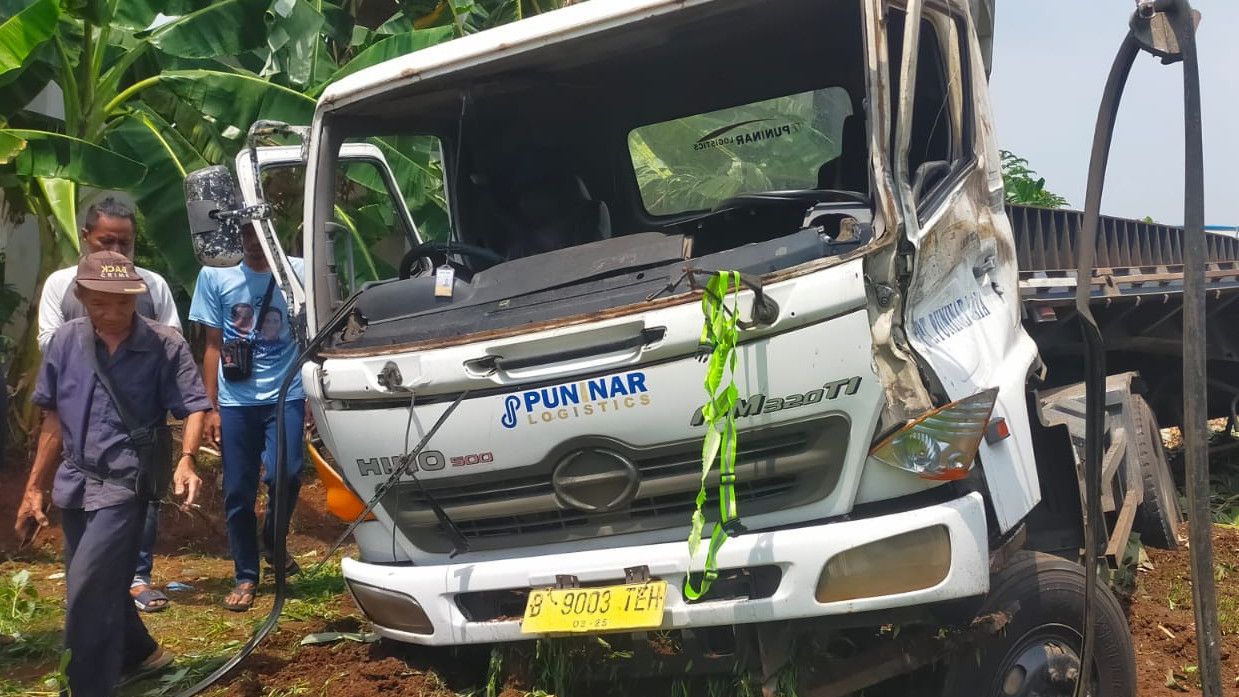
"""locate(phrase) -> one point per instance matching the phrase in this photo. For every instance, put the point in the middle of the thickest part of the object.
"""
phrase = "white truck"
(907, 355)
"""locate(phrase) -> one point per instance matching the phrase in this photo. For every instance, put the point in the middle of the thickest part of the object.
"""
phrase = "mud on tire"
(1037, 653)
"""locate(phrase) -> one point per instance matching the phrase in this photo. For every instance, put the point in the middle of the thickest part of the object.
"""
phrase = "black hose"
(1195, 411)
(278, 502)
(1179, 13)
(1095, 354)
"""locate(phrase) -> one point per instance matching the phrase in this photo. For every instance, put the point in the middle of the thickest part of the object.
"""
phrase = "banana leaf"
(61, 198)
(137, 15)
(19, 87)
(160, 195)
(388, 48)
(23, 33)
(184, 7)
(220, 29)
(236, 100)
(190, 124)
(293, 41)
(97, 12)
(10, 146)
(411, 164)
(56, 156)
(339, 23)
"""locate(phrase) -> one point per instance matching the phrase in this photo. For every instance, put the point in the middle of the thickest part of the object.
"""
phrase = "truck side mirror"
(216, 238)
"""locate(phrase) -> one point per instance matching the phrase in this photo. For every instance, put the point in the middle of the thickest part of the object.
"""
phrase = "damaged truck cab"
(598, 163)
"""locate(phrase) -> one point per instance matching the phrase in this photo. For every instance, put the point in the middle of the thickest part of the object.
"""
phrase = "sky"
(1051, 58)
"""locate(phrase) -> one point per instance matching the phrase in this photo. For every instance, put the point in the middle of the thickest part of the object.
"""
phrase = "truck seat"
(557, 213)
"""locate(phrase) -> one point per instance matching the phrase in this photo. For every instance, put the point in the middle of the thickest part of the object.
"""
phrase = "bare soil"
(1163, 623)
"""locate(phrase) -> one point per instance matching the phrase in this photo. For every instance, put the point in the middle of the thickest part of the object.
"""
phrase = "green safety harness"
(718, 337)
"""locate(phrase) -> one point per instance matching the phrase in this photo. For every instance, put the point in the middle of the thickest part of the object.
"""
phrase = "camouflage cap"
(109, 272)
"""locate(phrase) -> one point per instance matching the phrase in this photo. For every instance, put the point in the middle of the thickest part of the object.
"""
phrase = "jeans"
(146, 549)
(248, 437)
(103, 632)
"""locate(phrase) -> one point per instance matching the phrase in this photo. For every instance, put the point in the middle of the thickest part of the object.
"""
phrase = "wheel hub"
(1040, 667)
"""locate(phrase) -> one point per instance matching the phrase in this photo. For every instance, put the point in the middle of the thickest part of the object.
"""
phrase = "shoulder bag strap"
(266, 300)
(138, 434)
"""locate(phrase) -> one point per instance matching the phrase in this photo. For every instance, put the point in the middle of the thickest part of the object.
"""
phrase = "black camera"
(237, 359)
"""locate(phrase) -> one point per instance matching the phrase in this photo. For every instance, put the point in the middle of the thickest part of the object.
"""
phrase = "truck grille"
(777, 468)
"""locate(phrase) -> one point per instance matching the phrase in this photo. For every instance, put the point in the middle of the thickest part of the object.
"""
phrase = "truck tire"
(1158, 516)
(1037, 653)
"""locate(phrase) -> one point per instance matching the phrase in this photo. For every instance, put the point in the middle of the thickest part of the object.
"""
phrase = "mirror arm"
(261, 211)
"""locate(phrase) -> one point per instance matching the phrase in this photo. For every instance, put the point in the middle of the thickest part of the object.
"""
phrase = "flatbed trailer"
(1137, 298)
(1137, 291)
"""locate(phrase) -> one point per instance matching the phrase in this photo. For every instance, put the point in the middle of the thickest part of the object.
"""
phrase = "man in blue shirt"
(244, 313)
(97, 485)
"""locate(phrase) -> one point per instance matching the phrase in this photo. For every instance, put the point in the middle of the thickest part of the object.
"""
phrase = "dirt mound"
(349, 669)
(201, 531)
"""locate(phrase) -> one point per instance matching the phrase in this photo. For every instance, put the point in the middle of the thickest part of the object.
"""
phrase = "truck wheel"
(1037, 654)
(1158, 516)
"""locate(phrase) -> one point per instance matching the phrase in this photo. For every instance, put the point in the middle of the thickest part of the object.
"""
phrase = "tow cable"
(717, 348)
(1170, 36)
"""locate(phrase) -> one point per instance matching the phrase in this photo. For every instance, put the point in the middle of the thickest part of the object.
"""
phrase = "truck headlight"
(941, 445)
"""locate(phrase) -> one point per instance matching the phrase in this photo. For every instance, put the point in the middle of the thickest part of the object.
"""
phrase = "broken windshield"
(695, 162)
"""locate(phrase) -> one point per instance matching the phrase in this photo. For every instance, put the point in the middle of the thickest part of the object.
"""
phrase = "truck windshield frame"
(577, 110)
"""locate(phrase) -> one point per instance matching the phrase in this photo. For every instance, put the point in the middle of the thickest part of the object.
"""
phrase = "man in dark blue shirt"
(97, 486)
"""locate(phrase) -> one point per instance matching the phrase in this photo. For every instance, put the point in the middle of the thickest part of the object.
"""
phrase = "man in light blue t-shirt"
(245, 315)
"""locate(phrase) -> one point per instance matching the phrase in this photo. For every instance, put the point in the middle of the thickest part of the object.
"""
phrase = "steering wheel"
(437, 253)
(769, 198)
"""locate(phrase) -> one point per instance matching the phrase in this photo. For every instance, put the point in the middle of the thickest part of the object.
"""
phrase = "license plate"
(630, 606)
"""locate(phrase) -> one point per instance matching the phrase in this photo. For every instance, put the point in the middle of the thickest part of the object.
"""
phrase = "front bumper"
(799, 553)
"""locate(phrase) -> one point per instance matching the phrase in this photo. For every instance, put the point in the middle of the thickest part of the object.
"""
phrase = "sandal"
(291, 568)
(150, 599)
(159, 659)
(243, 593)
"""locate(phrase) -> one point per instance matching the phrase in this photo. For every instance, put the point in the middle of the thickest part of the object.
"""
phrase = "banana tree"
(98, 137)
(152, 89)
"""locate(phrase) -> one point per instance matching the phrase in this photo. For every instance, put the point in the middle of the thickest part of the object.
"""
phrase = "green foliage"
(1224, 485)
(315, 593)
(388, 47)
(20, 606)
(222, 28)
(144, 106)
(57, 156)
(22, 34)
(1023, 186)
(494, 672)
(553, 666)
(19, 603)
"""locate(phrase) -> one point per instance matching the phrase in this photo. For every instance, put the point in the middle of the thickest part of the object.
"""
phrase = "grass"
(189, 670)
(315, 594)
(553, 667)
(194, 626)
(297, 688)
(494, 672)
(29, 628)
